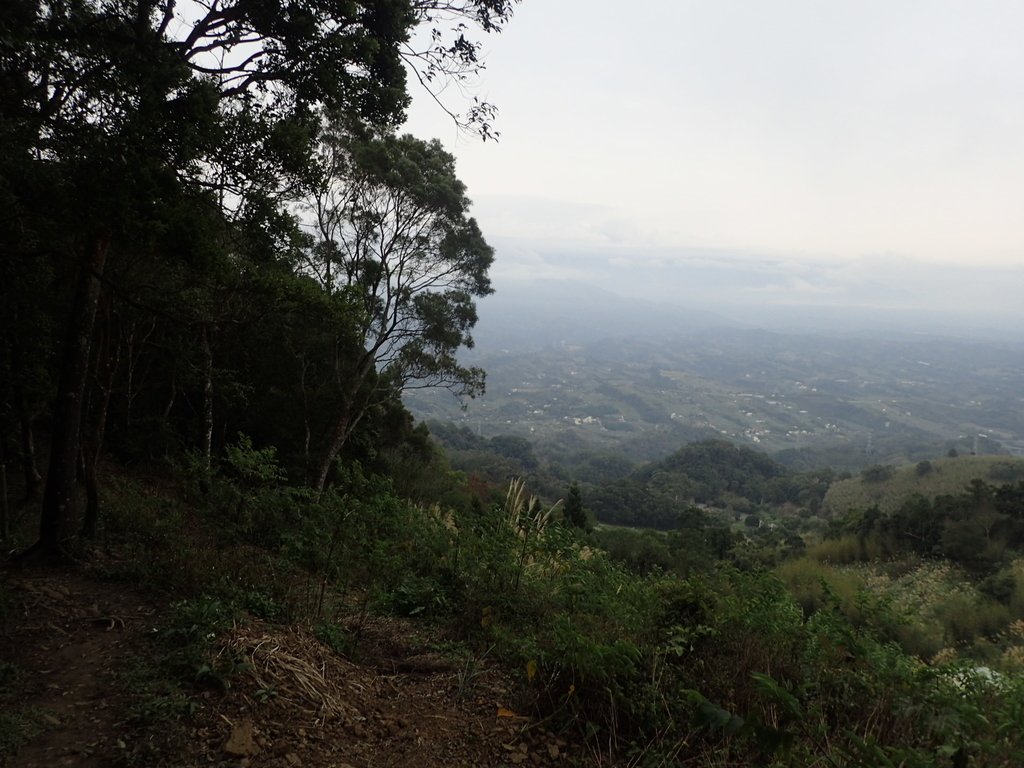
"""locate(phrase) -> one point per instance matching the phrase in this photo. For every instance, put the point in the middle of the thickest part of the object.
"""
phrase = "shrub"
(878, 473)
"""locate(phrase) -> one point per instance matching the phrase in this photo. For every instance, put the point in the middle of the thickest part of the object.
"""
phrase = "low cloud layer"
(749, 285)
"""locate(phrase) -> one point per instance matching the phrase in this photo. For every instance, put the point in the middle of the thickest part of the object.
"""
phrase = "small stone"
(241, 742)
(293, 759)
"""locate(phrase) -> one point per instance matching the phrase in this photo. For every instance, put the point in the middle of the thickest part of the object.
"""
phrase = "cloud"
(517, 260)
(744, 281)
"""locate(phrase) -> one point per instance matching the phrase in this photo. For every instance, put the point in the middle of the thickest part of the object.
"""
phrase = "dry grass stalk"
(282, 662)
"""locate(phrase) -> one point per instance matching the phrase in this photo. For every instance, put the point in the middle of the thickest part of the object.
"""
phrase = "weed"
(18, 727)
(265, 695)
(336, 637)
(466, 677)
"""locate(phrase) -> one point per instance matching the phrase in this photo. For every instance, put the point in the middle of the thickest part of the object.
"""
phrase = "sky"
(819, 151)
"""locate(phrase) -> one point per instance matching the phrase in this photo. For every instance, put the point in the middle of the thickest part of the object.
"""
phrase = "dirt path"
(300, 704)
(293, 702)
(66, 637)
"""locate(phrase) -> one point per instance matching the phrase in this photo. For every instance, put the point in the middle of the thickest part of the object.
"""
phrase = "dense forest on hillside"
(194, 247)
(223, 270)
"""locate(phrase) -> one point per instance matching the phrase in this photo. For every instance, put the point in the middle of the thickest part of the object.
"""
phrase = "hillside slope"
(889, 488)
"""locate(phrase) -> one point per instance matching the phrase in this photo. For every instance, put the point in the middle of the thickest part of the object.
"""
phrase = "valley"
(845, 402)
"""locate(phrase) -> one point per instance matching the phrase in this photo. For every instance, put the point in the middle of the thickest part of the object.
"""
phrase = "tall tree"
(129, 100)
(395, 239)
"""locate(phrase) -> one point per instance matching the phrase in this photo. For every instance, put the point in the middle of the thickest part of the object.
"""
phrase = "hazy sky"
(825, 137)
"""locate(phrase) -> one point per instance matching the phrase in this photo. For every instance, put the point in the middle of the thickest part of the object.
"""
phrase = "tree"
(573, 512)
(394, 239)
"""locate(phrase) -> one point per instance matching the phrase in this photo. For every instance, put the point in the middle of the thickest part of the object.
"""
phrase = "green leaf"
(767, 686)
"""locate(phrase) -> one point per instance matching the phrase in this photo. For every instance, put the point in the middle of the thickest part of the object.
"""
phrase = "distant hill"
(889, 488)
(706, 470)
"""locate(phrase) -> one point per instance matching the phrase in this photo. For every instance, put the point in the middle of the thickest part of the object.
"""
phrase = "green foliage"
(396, 243)
(573, 512)
(151, 235)
(848, 548)
(979, 529)
(254, 466)
(712, 472)
(877, 474)
(190, 630)
(335, 637)
(820, 664)
(512, 447)
(1006, 472)
(642, 551)
(895, 486)
(816, 586)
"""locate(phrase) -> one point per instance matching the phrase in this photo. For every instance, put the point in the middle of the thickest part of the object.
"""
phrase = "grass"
(17, 728)
(18, 725)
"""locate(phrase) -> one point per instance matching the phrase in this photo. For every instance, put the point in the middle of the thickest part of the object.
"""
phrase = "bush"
(965, 620)
(815, 586)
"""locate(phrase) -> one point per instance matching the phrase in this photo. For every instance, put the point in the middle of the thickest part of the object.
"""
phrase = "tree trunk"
(33, 480)
(5, 510)
(131, 360)
(59, 505)
(107, 360)
(207, 401)
(352, 412)
(342, 429)
(347, 419)
(308, 434)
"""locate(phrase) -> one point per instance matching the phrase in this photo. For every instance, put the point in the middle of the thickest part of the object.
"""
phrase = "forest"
(222, 266)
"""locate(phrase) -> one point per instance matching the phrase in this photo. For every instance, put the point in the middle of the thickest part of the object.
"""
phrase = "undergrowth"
(724, 667)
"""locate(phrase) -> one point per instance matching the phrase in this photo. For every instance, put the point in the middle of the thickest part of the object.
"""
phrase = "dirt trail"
(67, 636)
(295, 703)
